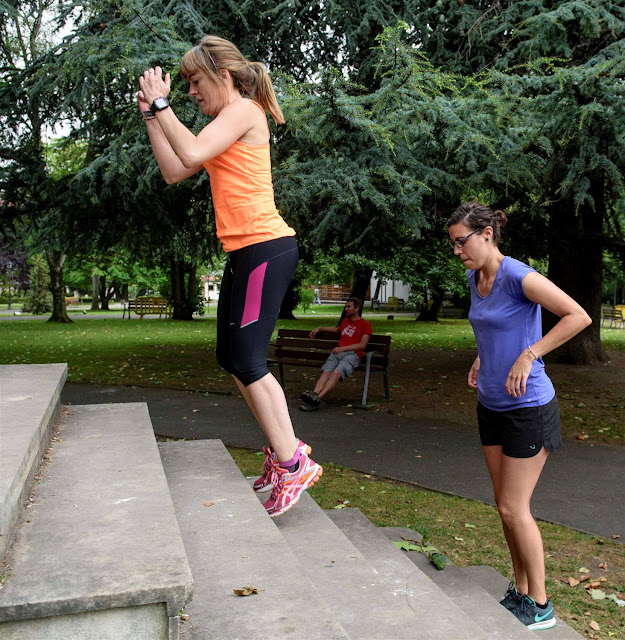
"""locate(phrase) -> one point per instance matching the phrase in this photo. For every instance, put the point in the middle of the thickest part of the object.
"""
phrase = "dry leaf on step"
(246, 591)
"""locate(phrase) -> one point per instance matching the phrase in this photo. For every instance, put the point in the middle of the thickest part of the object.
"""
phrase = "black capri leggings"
(254, 283)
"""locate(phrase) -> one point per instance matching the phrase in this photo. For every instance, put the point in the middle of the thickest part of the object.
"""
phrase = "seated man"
(355, 333)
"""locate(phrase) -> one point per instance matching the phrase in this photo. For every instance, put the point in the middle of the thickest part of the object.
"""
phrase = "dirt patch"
(432, 383)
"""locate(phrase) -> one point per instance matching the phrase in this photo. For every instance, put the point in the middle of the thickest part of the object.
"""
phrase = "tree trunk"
(125, 292)
(183, 307)
(104, 300)
(361, 283)
(95, 292)
(430, 313)
(57, 286)
(576, 266)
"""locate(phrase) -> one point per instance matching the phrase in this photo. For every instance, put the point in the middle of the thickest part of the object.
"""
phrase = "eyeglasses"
(460, 242)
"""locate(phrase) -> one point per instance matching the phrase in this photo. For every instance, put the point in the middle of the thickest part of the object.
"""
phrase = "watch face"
(161, 103)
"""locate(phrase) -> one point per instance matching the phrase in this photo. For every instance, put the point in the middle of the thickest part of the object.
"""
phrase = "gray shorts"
(344, 362)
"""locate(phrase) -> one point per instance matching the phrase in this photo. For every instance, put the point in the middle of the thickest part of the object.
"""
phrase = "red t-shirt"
(352, 332)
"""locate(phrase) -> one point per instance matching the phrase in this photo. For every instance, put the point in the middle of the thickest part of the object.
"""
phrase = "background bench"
(614, 315)
(294, 347)
(146, 305)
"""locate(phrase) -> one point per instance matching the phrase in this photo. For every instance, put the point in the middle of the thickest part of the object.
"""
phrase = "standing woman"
(262, 252)
(517, 410)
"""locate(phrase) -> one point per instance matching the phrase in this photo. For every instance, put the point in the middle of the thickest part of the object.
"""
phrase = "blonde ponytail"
(213, 54)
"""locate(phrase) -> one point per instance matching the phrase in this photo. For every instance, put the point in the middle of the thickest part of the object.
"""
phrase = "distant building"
(211, 286)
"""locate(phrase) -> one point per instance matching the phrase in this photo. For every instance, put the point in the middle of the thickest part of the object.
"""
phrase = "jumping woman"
(517, 410)
(261, 251)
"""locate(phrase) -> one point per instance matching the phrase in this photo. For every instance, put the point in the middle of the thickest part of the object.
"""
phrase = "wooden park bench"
(146, 305)
(294, 347)
(614, 316)
(71, 301)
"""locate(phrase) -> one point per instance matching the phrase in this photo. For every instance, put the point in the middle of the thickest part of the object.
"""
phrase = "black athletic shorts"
(521, 432)
(254, 282)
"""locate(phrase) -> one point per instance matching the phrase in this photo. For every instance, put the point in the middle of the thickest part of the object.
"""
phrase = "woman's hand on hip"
(153, 85)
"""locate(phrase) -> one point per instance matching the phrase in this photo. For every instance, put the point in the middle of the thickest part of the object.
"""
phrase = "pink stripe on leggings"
(253, 295)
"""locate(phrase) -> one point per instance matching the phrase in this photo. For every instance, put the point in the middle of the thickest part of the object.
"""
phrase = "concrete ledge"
(102, 533)
(139, 623)
(496, 621)
(29, 402)
(435, 612)
(232, 543)
(365, 605)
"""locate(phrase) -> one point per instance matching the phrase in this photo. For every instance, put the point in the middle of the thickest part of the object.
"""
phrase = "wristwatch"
(159, 104)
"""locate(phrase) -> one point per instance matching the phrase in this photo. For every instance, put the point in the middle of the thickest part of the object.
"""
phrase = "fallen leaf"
(184, 617)
(340, 506)
(615, 536)
(595, 626)
(594, 585)
(458, 538)
(573, 582)
(597, 594)
(469, 526)
(246, 591)
(583, 570)
(584, 578)
(603, 565)
(209, 504)
(615, 598)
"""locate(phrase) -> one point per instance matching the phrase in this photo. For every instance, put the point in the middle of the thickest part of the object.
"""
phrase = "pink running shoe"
(264, 482)
(288, 487)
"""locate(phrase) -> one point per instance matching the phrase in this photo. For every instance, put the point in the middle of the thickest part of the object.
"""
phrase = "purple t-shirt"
(505, 323)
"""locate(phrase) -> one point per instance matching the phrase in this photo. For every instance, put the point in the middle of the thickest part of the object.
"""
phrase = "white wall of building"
(392, 288)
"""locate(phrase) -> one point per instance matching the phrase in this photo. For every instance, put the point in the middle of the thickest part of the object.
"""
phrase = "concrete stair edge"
(103, 505)
(436, 612)
(29, 405)
(366, 606)
(470, 597)
(232, 543)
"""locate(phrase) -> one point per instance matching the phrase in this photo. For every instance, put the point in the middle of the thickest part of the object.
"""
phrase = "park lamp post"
(10, 270)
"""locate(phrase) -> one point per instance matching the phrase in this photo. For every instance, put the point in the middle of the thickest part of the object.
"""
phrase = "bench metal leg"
(281, 375)
(386, 391)
(366, 386)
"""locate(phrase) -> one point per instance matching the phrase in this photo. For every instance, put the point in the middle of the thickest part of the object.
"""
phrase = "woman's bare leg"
(266, 400)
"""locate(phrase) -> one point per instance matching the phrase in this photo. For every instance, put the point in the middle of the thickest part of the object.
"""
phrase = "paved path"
(582, 486)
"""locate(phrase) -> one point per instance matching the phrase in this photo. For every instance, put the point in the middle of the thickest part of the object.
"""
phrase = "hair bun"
(501, 218)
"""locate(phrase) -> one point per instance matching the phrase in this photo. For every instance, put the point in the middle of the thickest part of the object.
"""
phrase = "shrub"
(38, 297)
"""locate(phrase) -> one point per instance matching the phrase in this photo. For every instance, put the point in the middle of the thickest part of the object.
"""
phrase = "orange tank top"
(245, 210)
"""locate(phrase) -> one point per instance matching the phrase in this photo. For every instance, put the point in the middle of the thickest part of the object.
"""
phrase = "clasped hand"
(152, 86)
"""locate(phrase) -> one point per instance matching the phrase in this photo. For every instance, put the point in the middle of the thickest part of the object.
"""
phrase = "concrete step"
(479, 605)
(366, 607)
(496, 584)
(29, 403)
(436, 613)
(99, 553)
(232, 543)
